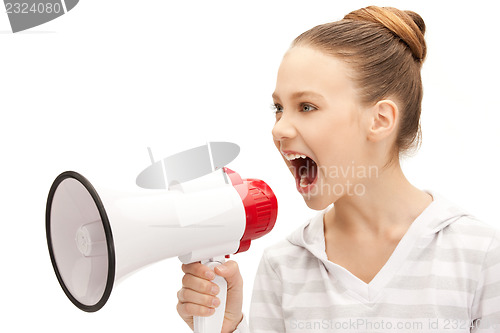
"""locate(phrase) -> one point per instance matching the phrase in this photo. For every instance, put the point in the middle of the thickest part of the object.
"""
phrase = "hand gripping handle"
(213, 323)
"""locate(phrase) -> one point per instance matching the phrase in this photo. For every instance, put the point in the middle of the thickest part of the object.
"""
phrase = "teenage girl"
(386, 256)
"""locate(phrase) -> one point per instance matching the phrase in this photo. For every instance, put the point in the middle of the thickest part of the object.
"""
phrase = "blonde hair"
(385, 47)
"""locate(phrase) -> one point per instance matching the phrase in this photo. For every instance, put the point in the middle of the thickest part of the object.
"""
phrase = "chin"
(317, 203)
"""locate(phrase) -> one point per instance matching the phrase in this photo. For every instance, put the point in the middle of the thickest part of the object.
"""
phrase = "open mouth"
(304, 169)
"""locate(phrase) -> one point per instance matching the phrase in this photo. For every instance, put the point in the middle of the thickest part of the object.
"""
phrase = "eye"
(307, 107)
(276, 108)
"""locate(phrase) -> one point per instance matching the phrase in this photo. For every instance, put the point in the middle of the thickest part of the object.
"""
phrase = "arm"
(486, 303)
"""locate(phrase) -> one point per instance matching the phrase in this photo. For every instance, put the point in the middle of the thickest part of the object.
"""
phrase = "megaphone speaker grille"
(80, 241)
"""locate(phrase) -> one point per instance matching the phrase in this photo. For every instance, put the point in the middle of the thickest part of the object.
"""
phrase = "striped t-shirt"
(443, 276)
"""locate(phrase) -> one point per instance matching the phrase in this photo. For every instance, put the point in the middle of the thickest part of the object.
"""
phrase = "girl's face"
(318, 115)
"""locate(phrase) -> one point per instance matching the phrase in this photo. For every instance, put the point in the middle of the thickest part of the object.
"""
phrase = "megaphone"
(97, 237)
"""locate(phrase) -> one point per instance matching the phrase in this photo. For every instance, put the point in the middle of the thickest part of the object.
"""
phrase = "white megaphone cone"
(98, 237)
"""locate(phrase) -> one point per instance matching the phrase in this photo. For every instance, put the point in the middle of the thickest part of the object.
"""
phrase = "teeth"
(292, 157)
(303, 181)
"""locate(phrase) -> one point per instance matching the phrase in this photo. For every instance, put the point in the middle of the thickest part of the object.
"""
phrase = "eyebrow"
(299, 94)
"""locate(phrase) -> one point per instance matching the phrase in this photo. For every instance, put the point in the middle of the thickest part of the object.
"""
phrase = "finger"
(191, 309)
(199, 285)
(190, 296)
(198, 269)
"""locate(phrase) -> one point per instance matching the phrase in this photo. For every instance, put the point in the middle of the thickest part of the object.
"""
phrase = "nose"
(283, 129)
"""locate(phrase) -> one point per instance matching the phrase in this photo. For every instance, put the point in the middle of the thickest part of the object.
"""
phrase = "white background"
(91, 90)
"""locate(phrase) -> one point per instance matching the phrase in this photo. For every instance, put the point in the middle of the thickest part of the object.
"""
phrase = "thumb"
(231, 272)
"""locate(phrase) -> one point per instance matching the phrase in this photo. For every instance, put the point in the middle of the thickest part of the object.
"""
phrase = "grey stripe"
(450, 255)
(281, 244)
(492, 258)
(264, 276)
(266, 297)
(313, 286)
(293, 288)
(267, 324)
(491, 290)
(491, 321)
(477, 229)
(377, 310)
(433, 281)
(493, 318)
(303, 262)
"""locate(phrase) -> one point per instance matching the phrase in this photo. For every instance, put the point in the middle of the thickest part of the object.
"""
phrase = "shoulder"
(454, 229)
(474, 234)
(300, 250)
(469, 243)
(285, 252)
(472, 224)
(290, 262)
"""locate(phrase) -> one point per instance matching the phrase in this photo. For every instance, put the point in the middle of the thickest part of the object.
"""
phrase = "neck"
(386, 209)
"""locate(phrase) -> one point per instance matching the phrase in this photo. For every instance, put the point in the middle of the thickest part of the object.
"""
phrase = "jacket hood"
(438, 215)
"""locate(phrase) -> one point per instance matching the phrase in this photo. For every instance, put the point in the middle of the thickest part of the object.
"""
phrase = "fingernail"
(215, 302)
(222, 268)
(215, 290)
(210, 275)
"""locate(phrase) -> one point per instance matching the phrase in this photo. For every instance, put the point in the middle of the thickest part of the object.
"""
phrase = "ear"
(384, 116)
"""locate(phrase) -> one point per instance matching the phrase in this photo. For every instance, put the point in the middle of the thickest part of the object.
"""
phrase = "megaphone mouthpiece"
(261, 207)
(90, 241)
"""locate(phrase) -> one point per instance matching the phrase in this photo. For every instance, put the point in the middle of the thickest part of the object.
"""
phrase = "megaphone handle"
(213, 323)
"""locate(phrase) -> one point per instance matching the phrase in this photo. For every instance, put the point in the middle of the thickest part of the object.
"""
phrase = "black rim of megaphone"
(107, 231)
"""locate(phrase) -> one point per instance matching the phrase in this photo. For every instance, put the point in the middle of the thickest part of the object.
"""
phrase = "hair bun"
(406, 25)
